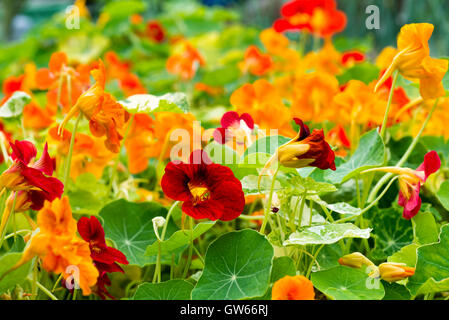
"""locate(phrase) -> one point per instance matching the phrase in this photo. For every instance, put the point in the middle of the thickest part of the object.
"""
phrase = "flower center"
(199, 193)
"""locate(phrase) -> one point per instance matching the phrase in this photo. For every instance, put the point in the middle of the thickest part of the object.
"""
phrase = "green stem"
(189, 258)
(69, 156)
(309, 270)
(170, 211)
(247, 217)
(387, 110)
(44, 290)
(117, 159)
(268, 205)
(157, 270)
(301, 209)
(404, 158)
(373, 203)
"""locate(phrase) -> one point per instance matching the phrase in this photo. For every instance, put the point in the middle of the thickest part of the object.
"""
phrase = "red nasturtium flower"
(307, 149)
(293, 288)
(11, 85)
(155, 31)
(105, 258)
(208, 190)
(410, 182)
(30, 181)
(349, 58)
(319, 17)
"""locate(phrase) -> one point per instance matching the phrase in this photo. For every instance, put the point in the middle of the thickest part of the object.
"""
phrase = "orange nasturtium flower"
(11, 85)
(255, 62)
(60, 249)
(293, 288)
(414, 62)
(274, 41)
(60, 79)
(37, 118)
(328, 59)
(312, 96)
(262, 100)
(184, 64)
(357, 104)
(106, 116)
(89, 153)
(338, 138)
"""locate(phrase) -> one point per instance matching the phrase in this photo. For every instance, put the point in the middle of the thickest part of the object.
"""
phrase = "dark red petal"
(174, 181)
(303, 129)
(23, 150)
(45, 163)
(230, 119)
(319, 150)
(209, 209)
(431, 164)
(231, 197)
(51, 187)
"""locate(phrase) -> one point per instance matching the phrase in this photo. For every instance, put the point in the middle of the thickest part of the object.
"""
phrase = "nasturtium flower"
(235, 127)
(273, 41)
(327, 59)
(57, 244)
(155, 31)
(319, 17)
(207, 190)
(56, 77)
(350, 58)
(313, 95)
(31, 177)
(338, 138)
(414, 62)
(392, 272)
(89, 153)
(262, 100)
(105, 258)
(358, 104)
(106, 116)
(11, 85)
(256, 62)
(293, 288)
(186, 62)
(306, 149)
(410, 182)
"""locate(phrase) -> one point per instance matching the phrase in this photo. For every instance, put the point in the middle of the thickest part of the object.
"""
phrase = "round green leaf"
(344, 283)
(432, 267)
(13, 107)
(369, 154)
(16, 277)
(148, 103)
(169, 290)
(443, 194)
(326, 234)
(237, 266)
(129, 225)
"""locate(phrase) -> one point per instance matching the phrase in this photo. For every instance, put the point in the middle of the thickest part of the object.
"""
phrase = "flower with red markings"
(105, 258)
(208, 190)
(31, 180)
(234, 126)
(410, 182)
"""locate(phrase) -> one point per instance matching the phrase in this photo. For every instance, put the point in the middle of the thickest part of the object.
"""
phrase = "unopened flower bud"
(392, 272)
(355, 260)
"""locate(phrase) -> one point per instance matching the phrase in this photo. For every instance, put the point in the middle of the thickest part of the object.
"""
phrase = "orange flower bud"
(355, 260)
(391, 272)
